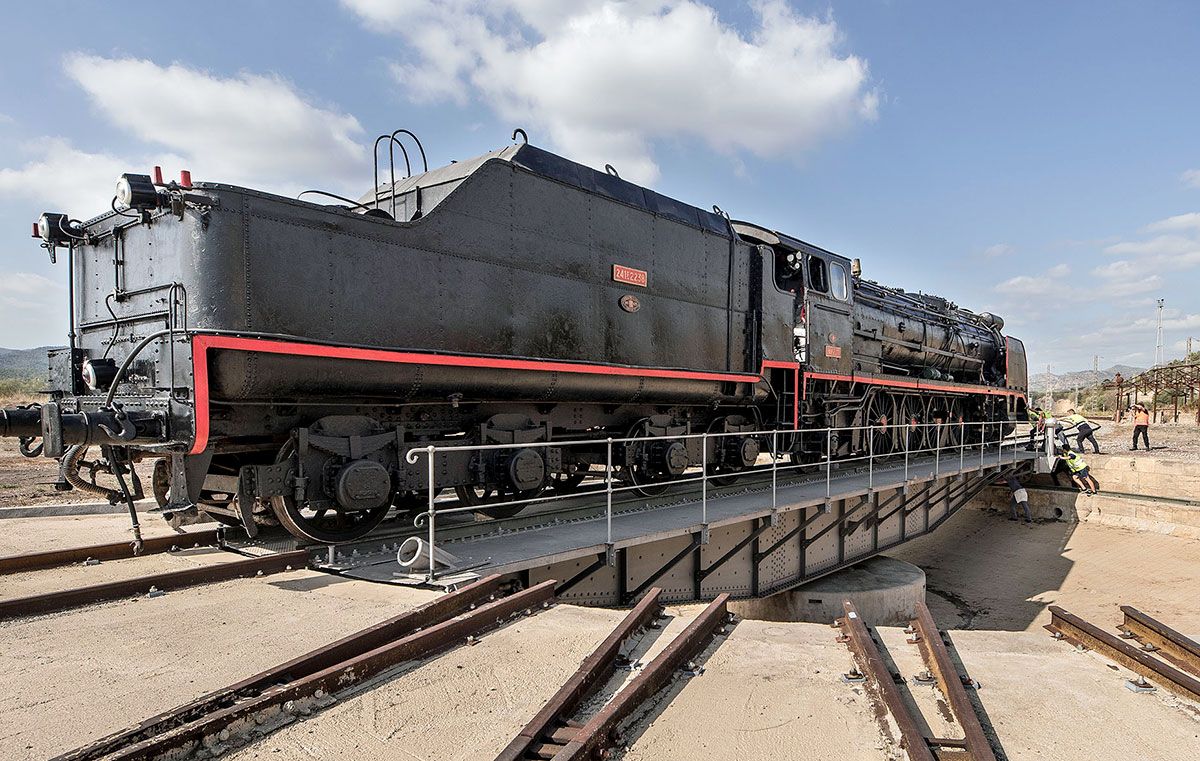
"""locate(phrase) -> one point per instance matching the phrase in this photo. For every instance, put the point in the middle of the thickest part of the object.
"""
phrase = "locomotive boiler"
(280, 358)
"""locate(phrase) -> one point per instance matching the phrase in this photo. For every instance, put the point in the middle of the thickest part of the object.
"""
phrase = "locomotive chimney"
(855, 268)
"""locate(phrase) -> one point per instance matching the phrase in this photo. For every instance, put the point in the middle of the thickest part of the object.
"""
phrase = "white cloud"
(1045, 283)
(1126, 325)
(250, 128)
(26, 300)
(1127, 277)
(999, 249)
(606, 79)
(6, 119)
(1191, 178)
(61, 177)
(1176, 248)
(1189, 221)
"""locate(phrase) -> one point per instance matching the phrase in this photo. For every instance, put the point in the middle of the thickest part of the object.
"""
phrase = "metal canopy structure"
(1180, 380)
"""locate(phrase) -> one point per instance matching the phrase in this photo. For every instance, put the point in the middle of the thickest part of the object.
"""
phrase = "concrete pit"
(885, 591)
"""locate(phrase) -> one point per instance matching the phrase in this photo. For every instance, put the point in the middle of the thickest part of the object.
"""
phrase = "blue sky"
(1038, 160)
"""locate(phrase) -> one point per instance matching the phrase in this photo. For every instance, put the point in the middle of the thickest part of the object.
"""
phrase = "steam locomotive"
(280, 358)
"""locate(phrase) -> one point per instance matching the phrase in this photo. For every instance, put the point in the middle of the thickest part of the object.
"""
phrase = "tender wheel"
(737, 452)
(649, 484)
(160, 481)
(481, 495)
(327, 523)
(565, 483)
(413, 501)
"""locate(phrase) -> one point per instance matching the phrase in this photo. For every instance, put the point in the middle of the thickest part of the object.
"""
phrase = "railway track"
(554, 733)
(1162, 654)
(36, 561)
(882, 686)
(260, 704)
(75, 597)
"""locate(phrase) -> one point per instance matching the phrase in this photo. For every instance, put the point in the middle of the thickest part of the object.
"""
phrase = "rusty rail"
(937, 660)
(1075, 630)
(551, 729)
(598, 734)
(72, 598)
(281, 704)
(1182, 651)
(880, 682)
(445, 607)
(36, 561)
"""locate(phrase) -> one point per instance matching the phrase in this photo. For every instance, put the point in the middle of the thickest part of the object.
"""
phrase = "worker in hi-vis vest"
(1085, 427)
(1080, 473)
(1037, 425)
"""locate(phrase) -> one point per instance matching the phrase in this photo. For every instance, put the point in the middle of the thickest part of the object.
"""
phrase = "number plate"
(630, 276)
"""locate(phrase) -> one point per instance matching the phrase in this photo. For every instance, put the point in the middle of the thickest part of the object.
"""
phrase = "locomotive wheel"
(323, 525)
(952, 431)
(908, 416)
(879, 415)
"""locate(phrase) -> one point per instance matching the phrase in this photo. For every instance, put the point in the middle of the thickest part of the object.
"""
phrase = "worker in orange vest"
(1141, 424)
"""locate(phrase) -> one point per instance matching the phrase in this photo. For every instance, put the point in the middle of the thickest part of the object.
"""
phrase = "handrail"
(942, 443)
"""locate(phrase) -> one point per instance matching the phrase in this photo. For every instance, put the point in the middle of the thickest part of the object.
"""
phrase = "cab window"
(818, 276)
(838, 282)
(789, 271)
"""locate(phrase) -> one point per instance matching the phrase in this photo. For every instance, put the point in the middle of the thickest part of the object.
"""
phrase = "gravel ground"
(1175, 441)
(30, 481)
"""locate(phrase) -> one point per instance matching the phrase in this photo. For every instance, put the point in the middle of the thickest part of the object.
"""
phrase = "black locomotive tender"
(280, 358)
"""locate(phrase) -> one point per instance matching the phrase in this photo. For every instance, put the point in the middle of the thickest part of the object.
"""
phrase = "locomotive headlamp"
(98, 374)
(136, 191)
(57, 229)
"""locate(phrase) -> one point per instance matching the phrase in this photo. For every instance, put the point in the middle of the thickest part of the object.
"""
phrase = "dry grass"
(14, 391)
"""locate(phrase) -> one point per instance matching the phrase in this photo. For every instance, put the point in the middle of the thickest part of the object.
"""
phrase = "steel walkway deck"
(745, 547)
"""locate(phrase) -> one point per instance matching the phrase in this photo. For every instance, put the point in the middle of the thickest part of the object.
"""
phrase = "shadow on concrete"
(310, 583)
(984, 571)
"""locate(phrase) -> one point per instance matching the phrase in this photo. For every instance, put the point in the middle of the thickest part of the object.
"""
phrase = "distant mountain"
(1081, 378)
(23, 363)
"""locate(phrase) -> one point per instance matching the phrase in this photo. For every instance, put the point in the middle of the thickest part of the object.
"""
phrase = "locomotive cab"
(828, 309)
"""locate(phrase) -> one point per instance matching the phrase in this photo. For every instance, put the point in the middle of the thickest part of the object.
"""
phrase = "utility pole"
(1158, 338)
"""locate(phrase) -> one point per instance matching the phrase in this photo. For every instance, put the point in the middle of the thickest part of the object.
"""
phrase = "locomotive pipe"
(23, 422)
(61, 429)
